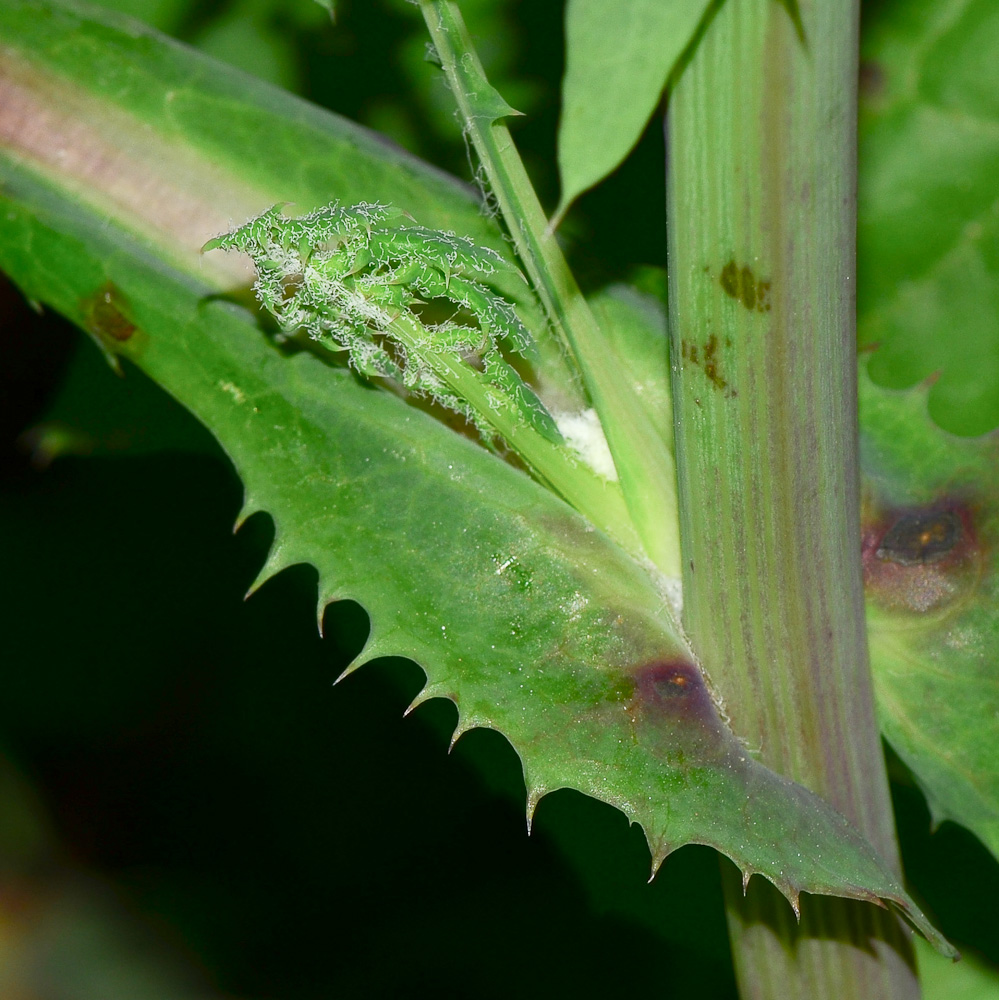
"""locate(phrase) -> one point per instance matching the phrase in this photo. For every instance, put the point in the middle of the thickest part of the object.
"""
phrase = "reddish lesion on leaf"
(672, 697)
(921, 558)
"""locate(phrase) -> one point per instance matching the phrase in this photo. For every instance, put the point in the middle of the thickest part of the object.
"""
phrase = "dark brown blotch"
(872, 79)
(921, 558)
(742, 284)
(706, 357)
(730, 279)
(921, 538)
(105, 314)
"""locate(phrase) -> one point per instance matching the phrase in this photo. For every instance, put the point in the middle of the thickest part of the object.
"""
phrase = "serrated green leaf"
(618, 58)
(928, 236)
(931, 565)
(531, 621)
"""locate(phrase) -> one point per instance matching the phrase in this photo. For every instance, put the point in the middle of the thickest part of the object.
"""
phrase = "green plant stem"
(761, 195)
(598, 499)
(644, 464)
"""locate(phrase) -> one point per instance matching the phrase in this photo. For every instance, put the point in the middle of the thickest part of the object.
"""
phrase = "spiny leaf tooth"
(326, 598)
(247, 511)
(465, 723)
(788, 891)
(660, 853)
(349, 669)
(937, 815)
(276, 561)
(425, 695)
(377, 644)
(535, 793)
(362, 659)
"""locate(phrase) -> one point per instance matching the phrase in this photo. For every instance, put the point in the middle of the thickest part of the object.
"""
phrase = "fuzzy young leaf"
(344, 276)
(352, 282)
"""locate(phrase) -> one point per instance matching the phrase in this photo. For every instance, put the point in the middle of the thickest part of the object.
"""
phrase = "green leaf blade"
(618, 58)
(928, 249)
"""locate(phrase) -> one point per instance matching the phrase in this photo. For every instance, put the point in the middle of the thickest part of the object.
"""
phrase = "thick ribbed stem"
(761, 190)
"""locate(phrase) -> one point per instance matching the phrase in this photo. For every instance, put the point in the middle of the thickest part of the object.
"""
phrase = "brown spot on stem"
(706, 357)
(730, 279)
(741, 284)
(711, 362)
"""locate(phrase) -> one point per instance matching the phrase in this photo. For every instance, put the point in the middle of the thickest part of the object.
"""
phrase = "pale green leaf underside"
(618, 57)
(531, 621)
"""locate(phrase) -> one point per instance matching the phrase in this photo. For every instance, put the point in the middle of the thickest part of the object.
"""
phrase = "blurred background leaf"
(928, 233)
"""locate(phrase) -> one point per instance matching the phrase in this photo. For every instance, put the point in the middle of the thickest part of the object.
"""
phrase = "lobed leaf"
(928, 250)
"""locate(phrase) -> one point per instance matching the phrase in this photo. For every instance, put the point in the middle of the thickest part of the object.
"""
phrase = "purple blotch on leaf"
(671, 696)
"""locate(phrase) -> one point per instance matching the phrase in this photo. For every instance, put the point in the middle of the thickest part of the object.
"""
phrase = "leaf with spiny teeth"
(555, 636)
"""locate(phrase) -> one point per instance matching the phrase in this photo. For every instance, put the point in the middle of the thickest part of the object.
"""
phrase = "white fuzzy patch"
(583, 433)
(672, 587)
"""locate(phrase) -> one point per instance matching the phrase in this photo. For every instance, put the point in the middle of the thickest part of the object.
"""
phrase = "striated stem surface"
(762, 215)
